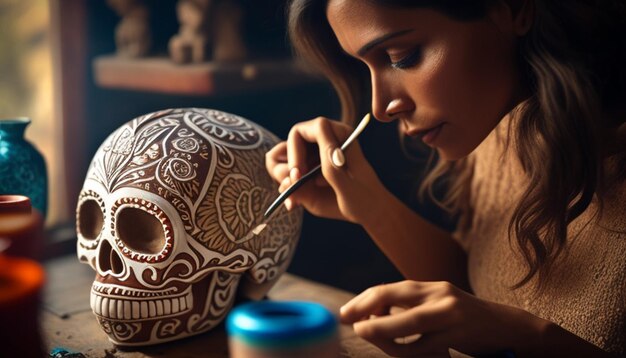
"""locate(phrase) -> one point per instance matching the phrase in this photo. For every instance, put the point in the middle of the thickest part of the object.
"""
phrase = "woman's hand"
(445, 317)
(346, 193)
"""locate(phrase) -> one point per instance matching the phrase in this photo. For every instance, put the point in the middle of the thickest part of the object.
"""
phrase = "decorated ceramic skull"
(168, 218)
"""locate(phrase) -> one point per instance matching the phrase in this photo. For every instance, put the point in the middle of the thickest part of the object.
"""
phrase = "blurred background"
(60, 66)
(26, 86)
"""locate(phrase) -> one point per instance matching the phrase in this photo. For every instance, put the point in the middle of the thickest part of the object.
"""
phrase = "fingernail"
(294, 174)
(337, 158)
(288, 204)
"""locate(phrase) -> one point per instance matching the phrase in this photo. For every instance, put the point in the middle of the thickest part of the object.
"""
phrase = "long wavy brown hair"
(573, 61)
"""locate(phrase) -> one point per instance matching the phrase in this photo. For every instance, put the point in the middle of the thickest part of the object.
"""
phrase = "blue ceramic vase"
(22, 167)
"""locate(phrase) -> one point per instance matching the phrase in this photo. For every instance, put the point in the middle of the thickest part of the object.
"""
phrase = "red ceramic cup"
(21, 227)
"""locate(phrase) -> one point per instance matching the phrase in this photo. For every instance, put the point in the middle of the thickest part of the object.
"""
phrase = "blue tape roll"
(281, 324)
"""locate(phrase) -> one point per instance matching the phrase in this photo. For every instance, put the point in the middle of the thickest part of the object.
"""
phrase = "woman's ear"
(513, 16)
(522, 12)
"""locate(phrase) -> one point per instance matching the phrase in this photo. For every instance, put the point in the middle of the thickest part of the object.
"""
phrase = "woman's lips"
(428, 135)
(431, 134)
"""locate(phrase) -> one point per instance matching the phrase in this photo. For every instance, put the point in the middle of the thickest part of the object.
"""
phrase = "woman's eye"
(408, 61)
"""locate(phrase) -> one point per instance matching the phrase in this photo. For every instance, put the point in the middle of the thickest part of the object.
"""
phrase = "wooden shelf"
(160, 74)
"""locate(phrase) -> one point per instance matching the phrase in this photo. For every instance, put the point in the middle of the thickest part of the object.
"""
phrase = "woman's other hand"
(412, 318)
(344, 192)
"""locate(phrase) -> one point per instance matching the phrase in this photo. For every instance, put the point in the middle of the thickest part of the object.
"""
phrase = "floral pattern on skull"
(166, 218)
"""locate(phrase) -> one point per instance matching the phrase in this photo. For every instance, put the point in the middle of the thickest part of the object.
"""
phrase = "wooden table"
(67, 320)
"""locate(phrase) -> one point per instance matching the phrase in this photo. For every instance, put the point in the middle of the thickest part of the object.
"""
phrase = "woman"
(523, 101)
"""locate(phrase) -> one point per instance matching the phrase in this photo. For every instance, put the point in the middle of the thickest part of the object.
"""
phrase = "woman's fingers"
(422, 330)
(284, 184)
(276, 162)
(320, 131)
(415, 348)
(377, 298)
(428, 317)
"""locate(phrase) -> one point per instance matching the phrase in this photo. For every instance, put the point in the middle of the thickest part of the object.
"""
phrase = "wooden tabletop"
(68, 322)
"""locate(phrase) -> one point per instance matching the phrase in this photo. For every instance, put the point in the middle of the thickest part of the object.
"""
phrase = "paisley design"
(122, 331)
(179, 169)
(122, 144)
(130, 153)
(188, 145)
(165, 329)
(238, 203)
(225, 129)
(223, 290)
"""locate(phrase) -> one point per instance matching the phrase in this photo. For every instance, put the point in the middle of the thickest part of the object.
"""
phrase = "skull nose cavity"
(109, 259)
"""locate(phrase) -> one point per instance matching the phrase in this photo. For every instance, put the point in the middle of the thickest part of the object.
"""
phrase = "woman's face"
(449, 82)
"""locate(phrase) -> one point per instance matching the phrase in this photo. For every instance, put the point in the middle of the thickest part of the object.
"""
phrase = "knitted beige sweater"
(586, 292)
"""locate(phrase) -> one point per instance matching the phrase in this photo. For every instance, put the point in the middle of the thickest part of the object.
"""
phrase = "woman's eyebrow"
(377, 41)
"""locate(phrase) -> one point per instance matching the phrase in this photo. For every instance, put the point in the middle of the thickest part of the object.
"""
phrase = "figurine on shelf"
(205, 25)
(193, 38)
(132, 34)
(229, 45)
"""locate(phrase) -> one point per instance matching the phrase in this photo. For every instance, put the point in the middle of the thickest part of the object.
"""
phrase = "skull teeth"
(107, 290)
(127, 308)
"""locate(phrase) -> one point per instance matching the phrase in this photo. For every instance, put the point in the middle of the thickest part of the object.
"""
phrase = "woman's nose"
(387, 102)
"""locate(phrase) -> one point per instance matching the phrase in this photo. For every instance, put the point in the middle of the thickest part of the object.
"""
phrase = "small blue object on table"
(282, 328)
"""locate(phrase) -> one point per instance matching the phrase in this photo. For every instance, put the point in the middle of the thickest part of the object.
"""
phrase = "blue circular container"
(282, 328)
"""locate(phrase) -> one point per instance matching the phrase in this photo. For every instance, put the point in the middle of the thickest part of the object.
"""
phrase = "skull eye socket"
(90, 219)
(140, 231)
